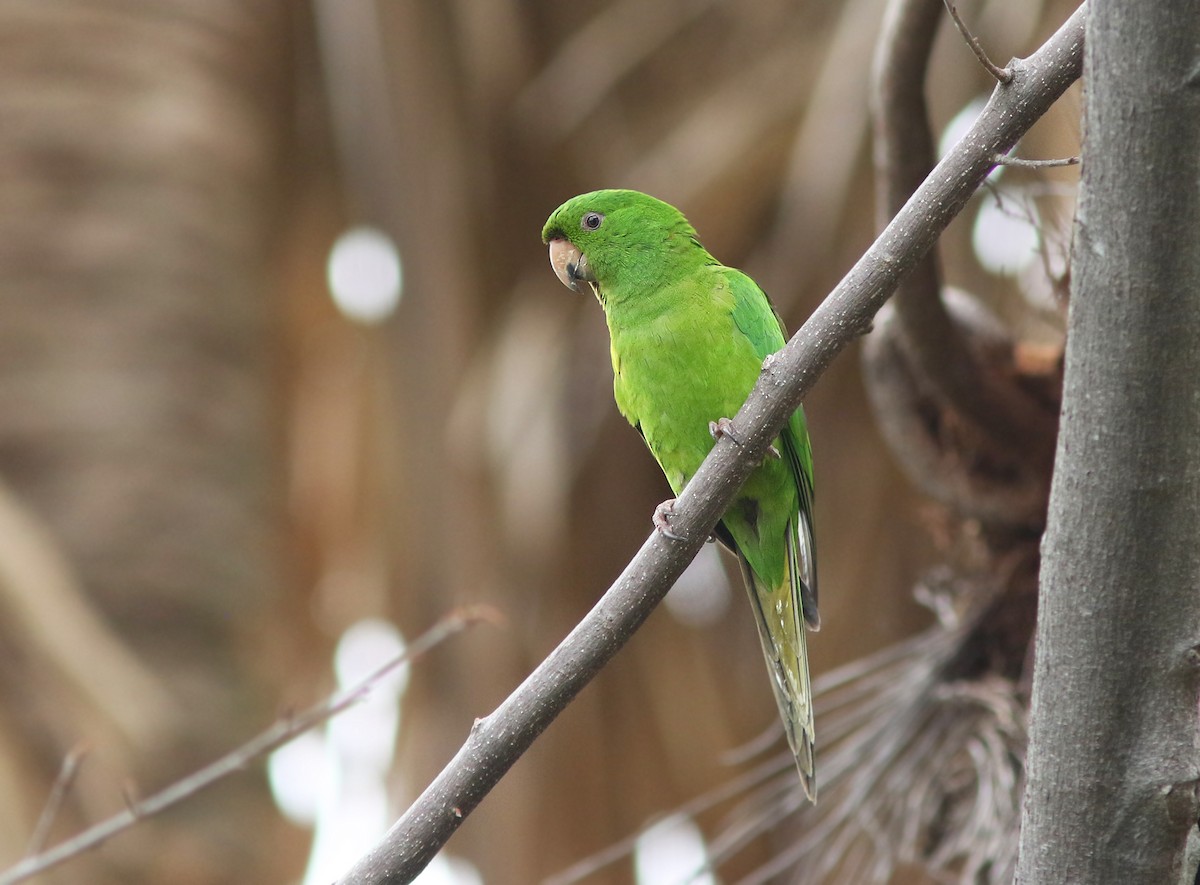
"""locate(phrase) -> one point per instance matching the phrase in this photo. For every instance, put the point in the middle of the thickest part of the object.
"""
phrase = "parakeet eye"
(591, 221)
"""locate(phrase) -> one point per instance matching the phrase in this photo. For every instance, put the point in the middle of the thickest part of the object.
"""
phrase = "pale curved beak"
(570, 265)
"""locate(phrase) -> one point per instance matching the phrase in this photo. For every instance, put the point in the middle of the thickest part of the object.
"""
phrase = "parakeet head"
(619, 240)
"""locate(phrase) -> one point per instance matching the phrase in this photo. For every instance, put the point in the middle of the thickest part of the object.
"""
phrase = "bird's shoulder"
(753, 313)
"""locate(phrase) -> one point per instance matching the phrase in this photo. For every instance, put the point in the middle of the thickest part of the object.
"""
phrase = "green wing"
(782, 609)
(757, 319)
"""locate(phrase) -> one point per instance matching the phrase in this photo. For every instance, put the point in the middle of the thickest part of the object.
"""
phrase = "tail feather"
(781, 615)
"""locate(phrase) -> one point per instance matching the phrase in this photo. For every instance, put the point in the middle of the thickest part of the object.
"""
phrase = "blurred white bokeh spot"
(672, 852)
(298, 777)
(337, 780)
(364, 274)
(1007, 235)
(701, 596)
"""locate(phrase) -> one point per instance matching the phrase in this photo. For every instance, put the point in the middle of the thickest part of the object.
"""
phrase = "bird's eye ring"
(591, 221)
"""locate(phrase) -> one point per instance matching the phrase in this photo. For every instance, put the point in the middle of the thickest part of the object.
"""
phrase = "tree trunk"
(1112, 763)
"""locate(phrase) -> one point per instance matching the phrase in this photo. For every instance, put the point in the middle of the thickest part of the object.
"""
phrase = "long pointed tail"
(779, 614)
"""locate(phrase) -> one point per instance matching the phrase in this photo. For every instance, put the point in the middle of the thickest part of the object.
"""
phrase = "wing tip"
(812, 617)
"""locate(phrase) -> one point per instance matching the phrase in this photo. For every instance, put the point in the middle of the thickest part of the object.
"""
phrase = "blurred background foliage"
(210, 471)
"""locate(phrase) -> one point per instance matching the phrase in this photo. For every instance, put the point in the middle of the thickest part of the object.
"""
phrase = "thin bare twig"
(1002, 160)
(62, 786)
(498, 740)
(1003, 75)
(271, 739)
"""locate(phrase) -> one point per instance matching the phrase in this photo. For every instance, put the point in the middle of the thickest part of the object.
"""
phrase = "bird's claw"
(662, 519)
(662, 522)
(724, 427)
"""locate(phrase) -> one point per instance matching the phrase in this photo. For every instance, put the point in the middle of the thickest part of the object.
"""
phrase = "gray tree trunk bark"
(1112, 765)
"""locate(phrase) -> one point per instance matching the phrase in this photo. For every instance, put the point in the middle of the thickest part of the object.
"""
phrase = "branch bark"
(1113, 760)
(498, 740)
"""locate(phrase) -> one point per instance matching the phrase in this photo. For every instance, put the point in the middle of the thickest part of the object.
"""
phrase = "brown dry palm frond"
(920, 768)
(921, 763)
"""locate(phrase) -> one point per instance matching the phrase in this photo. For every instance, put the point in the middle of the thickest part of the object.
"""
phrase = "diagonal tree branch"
(498, 740)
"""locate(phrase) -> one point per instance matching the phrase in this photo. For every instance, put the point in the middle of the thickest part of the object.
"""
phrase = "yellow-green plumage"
(688, 338)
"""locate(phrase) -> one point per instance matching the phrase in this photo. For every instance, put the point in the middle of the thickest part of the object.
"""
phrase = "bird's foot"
(662, 519)
(662, 522)
(724, 427)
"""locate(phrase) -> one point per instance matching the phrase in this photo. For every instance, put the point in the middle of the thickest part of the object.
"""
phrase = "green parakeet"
(688, 338)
